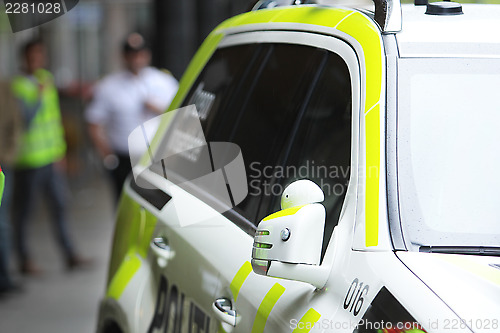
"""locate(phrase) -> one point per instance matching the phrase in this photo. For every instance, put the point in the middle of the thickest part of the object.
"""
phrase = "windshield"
(449, 151)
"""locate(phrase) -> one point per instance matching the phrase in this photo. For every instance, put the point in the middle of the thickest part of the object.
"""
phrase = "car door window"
(321, 148)
(266, 97)
(254, 94)
(225, 74)
(262, 120)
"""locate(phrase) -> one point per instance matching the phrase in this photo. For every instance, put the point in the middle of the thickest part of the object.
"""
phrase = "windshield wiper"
(472, 250)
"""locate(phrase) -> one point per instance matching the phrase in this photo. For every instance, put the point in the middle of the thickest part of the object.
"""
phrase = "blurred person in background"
(10, 131)
(123, 101)
(40, 157)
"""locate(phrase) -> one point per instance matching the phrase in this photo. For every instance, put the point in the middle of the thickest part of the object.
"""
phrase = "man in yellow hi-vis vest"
(42, 145)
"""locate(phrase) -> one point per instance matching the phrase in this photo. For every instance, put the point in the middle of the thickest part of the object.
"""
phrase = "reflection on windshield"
(449, 153)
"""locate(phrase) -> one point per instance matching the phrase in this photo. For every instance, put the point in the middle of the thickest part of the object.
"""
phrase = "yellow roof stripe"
(322, 16)
(312, 15)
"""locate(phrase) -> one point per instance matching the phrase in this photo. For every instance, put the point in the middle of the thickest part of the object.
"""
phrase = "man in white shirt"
(123, 101)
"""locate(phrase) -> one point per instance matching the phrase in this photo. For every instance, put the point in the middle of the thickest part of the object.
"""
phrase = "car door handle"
(223, 309)
(162, 249)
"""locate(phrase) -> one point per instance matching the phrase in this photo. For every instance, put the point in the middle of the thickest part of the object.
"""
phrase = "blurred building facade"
(85, 43)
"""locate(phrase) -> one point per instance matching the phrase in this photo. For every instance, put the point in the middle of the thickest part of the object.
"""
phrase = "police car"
(370, 197)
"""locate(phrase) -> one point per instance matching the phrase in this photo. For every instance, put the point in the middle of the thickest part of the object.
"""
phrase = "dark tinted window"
(262, 118)
(256, 101)
(218, 85)
(285, 106)
(321, 148)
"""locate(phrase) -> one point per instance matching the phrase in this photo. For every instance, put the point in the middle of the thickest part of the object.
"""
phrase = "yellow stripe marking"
(321, 16)
(372, 128)
(272, 296)
(240, 278)
(307, 321)
(371, 108)
(369, 38)
(342, 20)
(283, 212)
(125, 273)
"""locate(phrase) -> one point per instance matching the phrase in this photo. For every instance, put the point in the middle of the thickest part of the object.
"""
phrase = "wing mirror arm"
(314, 275)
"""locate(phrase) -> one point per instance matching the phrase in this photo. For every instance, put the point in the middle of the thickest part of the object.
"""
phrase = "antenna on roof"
(387, 12)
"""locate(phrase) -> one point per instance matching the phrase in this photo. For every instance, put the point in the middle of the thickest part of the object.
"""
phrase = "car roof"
(472, 34)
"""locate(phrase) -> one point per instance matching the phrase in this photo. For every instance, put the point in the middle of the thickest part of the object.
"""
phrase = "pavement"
(59, 301)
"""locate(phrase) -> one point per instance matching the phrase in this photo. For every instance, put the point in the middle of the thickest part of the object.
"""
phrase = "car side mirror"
(288, 243)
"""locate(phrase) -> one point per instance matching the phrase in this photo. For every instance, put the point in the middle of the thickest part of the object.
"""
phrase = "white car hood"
(469, 285)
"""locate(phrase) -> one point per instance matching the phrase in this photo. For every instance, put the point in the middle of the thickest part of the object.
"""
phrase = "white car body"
(173, 288)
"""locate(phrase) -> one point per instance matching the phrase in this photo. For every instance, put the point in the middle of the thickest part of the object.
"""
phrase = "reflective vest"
(43, 140)
(2, 184)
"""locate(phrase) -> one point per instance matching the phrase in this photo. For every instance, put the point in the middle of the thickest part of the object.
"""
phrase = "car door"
(321, 145)
(184, 275)
(271, 94)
